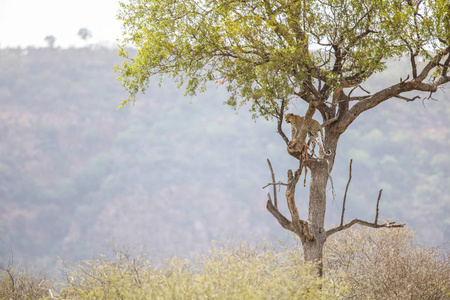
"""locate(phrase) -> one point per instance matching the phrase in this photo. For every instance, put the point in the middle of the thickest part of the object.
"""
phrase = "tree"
(272, 54)
(84, 33)
(50, 39)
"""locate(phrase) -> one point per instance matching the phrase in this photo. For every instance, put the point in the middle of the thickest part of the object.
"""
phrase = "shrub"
(18, 282)
(387, 264)
(228, 272)
(359, 264)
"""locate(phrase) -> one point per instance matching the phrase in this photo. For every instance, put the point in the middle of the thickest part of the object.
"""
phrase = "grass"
(360, 264)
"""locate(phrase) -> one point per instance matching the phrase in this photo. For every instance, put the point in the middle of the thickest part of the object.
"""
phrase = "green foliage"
(264, 49)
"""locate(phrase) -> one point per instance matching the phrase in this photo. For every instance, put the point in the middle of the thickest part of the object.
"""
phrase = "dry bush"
(387, 264)
(228, 272)
(359, 264)
(18, 282)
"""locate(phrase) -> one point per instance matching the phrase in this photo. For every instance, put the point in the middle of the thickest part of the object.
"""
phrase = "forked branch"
(405, 85)
(285, 223)
(298, 226)
(407, 99)
(274, 185)
(363, 223)
(346, 190)
(375, 224)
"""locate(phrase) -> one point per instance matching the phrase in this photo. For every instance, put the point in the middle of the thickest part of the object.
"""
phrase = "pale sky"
(27, 22)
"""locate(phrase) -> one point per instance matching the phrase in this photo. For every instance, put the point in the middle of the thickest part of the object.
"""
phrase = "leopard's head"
(289, 117)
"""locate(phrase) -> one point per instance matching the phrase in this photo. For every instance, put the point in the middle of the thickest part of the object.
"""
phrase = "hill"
(173, 173)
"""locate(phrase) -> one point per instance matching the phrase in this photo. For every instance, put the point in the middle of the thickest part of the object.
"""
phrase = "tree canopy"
(270, 52)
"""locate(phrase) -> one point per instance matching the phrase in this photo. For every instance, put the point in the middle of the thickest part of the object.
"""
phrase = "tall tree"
(50, 39)
(84, 33)
(275, 53)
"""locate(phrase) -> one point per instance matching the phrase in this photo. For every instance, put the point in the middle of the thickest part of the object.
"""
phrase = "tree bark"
(316, 212)
(320, 171)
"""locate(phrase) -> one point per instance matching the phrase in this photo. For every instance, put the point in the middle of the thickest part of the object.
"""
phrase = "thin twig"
(274, 187)
(364, 89)
(378, 203)
(403, 81)
(280, 121)
(407, 99)
(345, 194)
(333, 191)
(279, 183)
(363, 223)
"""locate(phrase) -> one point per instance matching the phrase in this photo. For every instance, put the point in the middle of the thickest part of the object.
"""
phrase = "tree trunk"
(313, 249)
(312, 232)
(320, 170)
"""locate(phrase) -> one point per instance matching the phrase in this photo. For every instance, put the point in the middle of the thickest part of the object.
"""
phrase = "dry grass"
(360, 264)
(228, 272)
(388, 264)
(21, 283)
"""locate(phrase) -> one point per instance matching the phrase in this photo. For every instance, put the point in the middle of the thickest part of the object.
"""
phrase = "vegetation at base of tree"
(361, 264)
(388, 264)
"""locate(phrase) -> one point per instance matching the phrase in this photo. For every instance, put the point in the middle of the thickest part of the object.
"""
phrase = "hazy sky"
(28, 22)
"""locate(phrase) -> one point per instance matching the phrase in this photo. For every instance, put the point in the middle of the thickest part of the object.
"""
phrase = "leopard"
(314, 128)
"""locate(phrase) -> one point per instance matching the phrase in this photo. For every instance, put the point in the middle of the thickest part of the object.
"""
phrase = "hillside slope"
(173, 173)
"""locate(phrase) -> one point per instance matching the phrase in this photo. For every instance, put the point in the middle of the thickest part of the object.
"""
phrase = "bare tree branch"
(404, 80)
(407, 99)
(285, 223)
(395, 90)
(345, 194)
(378, 207)
(290, 197)
(274, 187)
(353, 89)
(280, 122)
(279, 183)
(364, 223)
(363, 89)
(297, 225)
